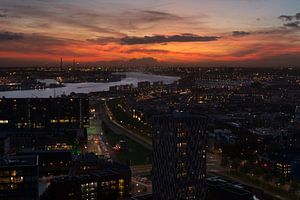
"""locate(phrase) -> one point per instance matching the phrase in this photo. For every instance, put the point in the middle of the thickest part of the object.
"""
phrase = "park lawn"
(94, 128)
(136, 154)
(127, 121)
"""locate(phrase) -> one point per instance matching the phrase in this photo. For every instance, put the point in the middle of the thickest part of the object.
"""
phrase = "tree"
(295, 186)
(282, 180)
(235, 163)
(268, 177)
(225, 161)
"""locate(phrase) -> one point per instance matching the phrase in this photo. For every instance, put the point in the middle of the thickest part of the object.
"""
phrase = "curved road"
(107, 117)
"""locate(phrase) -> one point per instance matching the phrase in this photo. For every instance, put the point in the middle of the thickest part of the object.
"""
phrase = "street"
(107, 117)
(97, 143)
(93, 145)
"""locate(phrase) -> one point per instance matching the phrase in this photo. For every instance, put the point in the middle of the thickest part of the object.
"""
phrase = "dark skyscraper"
(179, 157)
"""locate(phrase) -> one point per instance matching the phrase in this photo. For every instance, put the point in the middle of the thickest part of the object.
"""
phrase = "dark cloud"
(152, 39)
(137, 19)
(77, 18)
(109, 21)
(147, 61)
(38, 40)
(286, 17)
(240, 33)
(272, 31)
(103, 21)
(291, 22)
(166, 39)
(292, 25)
(7, 36)
(151, 16)
(38, 44)
(103, 40)
(290, 17)
(246, 52)
(145, 51)
(3, 13)
(40, 25)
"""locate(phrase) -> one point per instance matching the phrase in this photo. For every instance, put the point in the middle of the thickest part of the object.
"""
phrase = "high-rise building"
(179, 157)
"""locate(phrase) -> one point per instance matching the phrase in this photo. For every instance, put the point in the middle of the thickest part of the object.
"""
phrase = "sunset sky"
(208, 32)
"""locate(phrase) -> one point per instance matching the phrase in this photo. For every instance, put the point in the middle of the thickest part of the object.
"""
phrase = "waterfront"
(131, 78)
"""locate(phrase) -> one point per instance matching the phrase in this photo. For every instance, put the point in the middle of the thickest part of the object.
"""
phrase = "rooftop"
(18, 161)
(227, 185)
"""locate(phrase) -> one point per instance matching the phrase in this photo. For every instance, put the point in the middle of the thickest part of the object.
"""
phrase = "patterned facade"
(179, 157)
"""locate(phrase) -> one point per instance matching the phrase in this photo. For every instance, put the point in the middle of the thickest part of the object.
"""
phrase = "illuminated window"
(121, 187)
(13, 173)
(3, 121)
(53, 121)
(5, 180)
(16, 179)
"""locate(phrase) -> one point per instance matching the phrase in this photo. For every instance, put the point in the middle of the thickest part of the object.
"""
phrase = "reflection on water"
(132, 78)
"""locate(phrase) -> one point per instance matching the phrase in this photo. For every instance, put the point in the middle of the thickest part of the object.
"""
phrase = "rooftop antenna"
(61, 64)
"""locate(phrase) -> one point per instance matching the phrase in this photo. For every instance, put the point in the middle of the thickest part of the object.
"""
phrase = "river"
(131, 78)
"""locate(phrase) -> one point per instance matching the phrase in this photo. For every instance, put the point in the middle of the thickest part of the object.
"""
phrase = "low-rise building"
(19, 178)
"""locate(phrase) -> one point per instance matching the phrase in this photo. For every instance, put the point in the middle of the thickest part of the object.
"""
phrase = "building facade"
(179, 156)
(104, 184)
(91, 178)
(41, 113)
(19, 178)
(41, 122)
(52, 162)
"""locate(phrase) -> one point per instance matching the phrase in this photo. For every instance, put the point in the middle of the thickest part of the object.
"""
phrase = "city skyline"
(164, 133)
(233, 33)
